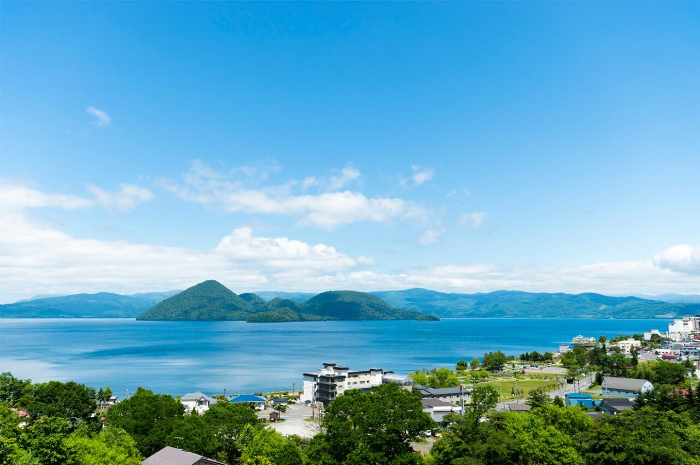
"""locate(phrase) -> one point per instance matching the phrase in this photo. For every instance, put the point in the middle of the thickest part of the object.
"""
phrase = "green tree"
(13, 389)
(226, 421)
(494, 360)
(461, 365)
(381, 423)
(65, 400)
(281, 408)
(190, 433)
(147, 417)
(112, 446)
(538, 398)
(483, 399)
(268, 443)
(474, 364)
(45, 439)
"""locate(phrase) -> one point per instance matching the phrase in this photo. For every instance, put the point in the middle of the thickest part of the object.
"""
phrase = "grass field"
(506, 387)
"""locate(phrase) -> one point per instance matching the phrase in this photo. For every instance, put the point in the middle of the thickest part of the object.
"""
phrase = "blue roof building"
(249, 398)
(579, 399)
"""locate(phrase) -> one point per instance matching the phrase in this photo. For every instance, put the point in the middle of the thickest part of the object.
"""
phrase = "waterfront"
(179, 357)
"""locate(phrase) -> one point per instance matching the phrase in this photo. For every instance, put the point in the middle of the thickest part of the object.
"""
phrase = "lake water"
(180, 357)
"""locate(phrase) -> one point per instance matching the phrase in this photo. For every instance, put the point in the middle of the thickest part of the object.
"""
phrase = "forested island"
(212, 301)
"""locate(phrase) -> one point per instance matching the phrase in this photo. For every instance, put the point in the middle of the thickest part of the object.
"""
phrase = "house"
(452, 395)
(624, 387)
(258, 401)
(280, 400)
(564, 348)
(615, 405)
(437, 409)
(646, 356)
(274, 416)
(104, 406)
(172, 456)
(197, 401)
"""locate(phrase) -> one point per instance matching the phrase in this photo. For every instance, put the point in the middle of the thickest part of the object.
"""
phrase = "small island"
(212, 301)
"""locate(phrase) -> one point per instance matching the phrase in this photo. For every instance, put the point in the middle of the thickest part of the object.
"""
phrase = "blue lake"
(180, 357)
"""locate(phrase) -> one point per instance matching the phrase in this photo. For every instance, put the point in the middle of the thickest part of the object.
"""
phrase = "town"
(596, 377)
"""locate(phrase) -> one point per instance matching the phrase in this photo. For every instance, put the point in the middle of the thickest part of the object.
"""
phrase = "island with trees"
(210, 300)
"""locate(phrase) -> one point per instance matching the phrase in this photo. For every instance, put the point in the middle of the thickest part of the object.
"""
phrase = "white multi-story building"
(627, 345)
(648, 334)
(333, 380)
(681, 329)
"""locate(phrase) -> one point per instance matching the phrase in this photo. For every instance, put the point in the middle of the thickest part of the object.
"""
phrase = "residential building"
(624, 387)
(613, 406)
(172, 456)
(564, 348)
(197, 401)
(627, 345)
(453, 395)
(333, 380)
(437, 409)
(647, 335)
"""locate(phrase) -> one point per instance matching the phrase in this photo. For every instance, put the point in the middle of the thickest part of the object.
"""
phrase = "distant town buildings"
(684, 329)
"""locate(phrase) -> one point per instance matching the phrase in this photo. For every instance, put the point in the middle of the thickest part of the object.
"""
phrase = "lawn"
(506, 387)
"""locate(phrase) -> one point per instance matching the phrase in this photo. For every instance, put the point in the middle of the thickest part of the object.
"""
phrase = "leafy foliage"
(435, 378)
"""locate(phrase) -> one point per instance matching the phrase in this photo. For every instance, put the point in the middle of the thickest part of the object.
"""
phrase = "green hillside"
(516, 304)
(278, 303)
(352, 305)
(209, 300)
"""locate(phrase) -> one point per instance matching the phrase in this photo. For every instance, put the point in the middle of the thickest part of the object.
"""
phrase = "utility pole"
(461, 396)
(293, 389)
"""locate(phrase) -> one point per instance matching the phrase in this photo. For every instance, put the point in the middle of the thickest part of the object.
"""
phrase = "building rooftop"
(248, 398)
(430, 402)
(172, 456)
(623, 384)
(197, 396)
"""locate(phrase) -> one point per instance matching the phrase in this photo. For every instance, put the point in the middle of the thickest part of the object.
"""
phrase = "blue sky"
(462, 147)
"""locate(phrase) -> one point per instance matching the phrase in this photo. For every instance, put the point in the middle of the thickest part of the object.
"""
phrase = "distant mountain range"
(211, 300)
(100, 305)
(502, 304)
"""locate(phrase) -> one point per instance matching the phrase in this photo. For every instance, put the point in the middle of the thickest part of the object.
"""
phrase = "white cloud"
(431, 236)
(472, 220)
(281, 253)
(102, 118)
(681, 258)
(328, 210)
(19, 196)
(345, 177)
(419, 176)
(126, 198)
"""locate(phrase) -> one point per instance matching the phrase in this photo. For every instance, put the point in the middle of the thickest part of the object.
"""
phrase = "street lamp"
(293, 390)
(517, 393)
